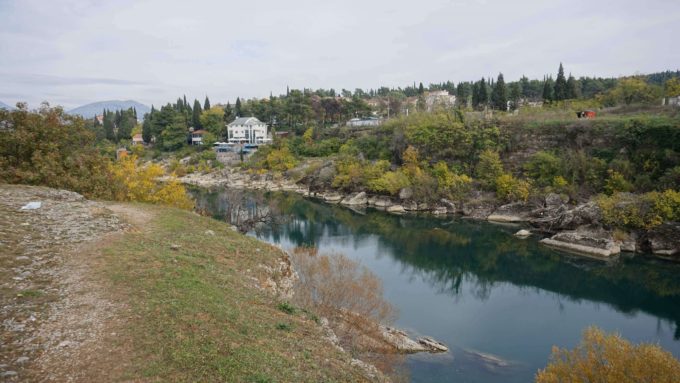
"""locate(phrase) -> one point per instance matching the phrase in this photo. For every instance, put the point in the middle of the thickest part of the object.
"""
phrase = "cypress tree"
(196, 115)
(547, 90)
(483, 93)
(147, 128)
(560, 85)
(237, 107)
(499, 97)
(421, 89)
(109, 123)
(206, 104)
(515, 94)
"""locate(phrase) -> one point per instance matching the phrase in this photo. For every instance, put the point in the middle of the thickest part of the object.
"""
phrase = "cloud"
(155, 50)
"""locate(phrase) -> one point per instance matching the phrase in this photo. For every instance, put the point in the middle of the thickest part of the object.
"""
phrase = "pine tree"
(572, 88)
(237, 107)
(206, 104)
(196, 115)
(499, 97)
(560, 85)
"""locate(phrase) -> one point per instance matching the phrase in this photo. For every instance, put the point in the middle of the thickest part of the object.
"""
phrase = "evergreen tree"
(483, 93)
(421, 89)
(499, 97)
(547, 90)
(147, 128)
(560, 85)
(572, 88)
(228, 113)
(515, 94)
(174, 135)
(196, 115)
(237, 106)
(206, 104)
(109, 124)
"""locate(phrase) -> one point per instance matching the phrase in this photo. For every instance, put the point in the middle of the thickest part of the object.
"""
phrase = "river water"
(500, 303)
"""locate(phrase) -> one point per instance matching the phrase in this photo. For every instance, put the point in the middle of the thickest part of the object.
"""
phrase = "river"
(500, 303)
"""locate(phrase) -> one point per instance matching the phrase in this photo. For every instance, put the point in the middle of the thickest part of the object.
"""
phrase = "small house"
(197, 137)
(137, 139)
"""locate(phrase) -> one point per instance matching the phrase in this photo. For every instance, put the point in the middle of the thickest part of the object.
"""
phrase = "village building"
(137, 139)
(197, 137)
(440, 98)
(248, 130)
(367, 121)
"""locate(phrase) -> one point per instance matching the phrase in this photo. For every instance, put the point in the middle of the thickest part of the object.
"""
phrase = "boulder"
(405, 193)
(396, 209)
(663, 240)
(332, 197)
(410, 205)
(523, 233)
(358, 199)
(512, 212)
(586, 241)
(450, 206)
(440, 210)
(382, 202)
(562, 218)
(555, 200)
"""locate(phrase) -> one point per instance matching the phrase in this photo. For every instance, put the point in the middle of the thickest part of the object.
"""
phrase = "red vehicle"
(586, 114)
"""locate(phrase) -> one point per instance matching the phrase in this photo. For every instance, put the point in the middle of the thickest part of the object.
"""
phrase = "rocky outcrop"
(587, 241)
(663, 240)
(358, 199)
(557, 218)
(513, 212)
(403, 343)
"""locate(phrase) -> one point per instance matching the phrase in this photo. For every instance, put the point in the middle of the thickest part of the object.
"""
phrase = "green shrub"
(640, 210)
(616, 183)
(389, 183)
(543, 168)
(509, 188)
(489, 169)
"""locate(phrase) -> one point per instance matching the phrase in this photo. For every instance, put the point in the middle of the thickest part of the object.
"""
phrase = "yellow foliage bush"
(280, 160)
(140, 184)
(449, 183)
(602, 357)
(509, 188)
(640, 211)
(390, 183)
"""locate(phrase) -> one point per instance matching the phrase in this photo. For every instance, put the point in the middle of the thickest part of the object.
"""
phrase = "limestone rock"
(396, 209)
(405, 193)
(523, 233)
(358, 199)
(586, 241)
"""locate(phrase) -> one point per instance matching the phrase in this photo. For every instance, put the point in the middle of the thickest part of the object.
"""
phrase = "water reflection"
(504, 296)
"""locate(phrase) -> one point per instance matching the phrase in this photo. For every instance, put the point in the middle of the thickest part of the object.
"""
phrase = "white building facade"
(248, 130)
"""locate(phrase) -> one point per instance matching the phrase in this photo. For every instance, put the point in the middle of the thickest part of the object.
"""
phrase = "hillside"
(95, 108)
(5, 106)
(99, 292)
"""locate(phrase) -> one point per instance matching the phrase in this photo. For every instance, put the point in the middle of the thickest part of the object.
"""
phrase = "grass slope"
(197, 315)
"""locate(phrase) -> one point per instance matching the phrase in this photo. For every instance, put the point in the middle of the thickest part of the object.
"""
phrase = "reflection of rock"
(488, 361)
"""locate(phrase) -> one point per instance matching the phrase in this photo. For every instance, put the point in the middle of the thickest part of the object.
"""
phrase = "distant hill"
(5, 106)
(95, 108)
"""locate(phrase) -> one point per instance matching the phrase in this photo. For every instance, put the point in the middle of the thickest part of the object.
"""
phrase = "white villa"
(248, 130)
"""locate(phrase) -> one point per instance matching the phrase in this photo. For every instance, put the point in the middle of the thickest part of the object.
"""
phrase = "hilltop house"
(197, 137)
(439, 98)
(248, 130)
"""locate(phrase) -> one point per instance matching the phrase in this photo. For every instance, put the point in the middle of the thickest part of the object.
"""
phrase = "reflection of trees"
(482, 255)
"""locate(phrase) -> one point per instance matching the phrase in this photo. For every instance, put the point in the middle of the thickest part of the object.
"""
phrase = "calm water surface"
(499, 303)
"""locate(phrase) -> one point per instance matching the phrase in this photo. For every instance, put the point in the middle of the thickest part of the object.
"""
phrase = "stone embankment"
(573, 228)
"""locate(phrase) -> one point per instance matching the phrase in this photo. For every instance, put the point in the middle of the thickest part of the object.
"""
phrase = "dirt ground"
(59, 319)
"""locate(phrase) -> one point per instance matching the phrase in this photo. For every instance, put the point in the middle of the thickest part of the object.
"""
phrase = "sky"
(73, 52)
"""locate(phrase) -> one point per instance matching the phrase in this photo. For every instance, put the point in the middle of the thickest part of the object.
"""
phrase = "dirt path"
(59, 321)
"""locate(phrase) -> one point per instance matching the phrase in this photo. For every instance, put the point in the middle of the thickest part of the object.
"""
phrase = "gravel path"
(56, 316)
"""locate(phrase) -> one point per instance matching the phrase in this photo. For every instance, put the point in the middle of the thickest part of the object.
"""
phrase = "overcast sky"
(72, 52)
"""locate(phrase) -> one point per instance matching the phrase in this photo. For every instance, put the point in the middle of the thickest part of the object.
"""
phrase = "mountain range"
(96, 108)
(5, 106)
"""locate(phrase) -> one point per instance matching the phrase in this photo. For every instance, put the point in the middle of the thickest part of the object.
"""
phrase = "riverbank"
(97, 291)
(574, 228)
